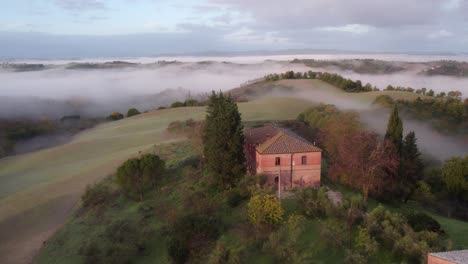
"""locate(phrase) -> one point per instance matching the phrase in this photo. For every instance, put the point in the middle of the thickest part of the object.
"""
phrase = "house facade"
(283, 156)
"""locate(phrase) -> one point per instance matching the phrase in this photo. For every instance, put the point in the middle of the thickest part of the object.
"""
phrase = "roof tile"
(273, 140)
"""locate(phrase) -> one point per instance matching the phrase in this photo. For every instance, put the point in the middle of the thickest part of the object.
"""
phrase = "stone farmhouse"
(287, 159)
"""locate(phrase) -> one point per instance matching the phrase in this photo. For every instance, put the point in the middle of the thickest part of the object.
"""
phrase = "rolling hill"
(39, 190)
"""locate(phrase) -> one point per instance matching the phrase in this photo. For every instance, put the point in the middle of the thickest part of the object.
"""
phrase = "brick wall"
(293, 172)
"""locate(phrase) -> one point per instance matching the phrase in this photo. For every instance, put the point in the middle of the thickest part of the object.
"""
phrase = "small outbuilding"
(449, 257)
(283, 156)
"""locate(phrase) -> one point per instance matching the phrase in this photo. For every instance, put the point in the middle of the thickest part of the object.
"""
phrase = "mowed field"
(39, 190)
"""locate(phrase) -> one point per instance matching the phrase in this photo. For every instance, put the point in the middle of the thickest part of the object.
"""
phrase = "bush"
(135, 176)
(177, 104)
(122, 243)
(265, 210)
(422, 221)
(191, 234)
(95, 195)
(115, 116)
(178, 251)
(91, 253)
(220, 255)
(423, 193)
(234, 198)
(133, 112)
(314, 202)
(284, 244)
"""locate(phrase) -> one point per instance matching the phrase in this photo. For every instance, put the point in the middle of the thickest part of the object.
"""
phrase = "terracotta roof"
(460, 256)
(274, 140)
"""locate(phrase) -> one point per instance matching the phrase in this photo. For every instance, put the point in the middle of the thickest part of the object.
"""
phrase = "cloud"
(153, 25)
(250, 36)
(81, 5)
(451, 5)
(440, 34)
(351, 28)
(339, 12)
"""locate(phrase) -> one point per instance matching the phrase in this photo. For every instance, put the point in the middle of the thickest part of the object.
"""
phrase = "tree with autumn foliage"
(364, 163)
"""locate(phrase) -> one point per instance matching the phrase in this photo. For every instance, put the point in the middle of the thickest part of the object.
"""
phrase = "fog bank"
(98, 91)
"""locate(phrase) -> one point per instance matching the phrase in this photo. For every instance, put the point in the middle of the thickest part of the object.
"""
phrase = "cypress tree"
(412, 166)
(223, 141)
(394, 132)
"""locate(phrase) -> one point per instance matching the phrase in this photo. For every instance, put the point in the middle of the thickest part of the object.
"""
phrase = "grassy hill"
(86, 236)
(120, 230)
(310, 88)
(39, 190)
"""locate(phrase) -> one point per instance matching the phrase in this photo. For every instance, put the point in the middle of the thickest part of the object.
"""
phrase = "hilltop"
(52, 180)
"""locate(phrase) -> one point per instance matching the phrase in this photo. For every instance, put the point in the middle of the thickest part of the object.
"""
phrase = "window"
(277, 161)
(304, 160)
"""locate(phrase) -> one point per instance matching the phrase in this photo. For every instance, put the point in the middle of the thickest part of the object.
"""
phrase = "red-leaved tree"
(364, 162)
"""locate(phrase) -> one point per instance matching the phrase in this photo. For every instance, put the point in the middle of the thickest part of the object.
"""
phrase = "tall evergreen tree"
(412, 166)
(223, 141)
(394, 132)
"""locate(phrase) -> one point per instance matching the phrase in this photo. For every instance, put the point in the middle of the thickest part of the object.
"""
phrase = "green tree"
(132, 112)
(394, 132)
(412, 166)
(223, 141)
(115, 116)
(285, 243)
(152, 167)
(130, 178)
(264, 210)
(455, 176)
(364, 246)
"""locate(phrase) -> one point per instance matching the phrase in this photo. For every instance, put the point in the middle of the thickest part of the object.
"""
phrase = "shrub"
(177, 104)
(130, 178)
(136, 176)
(95, 195)
(133, 112)
(422, 221)
(314, 202)
(115, 116)
(91, 253)
(364, 246)
(234, 198)
(178, 251)
(265, 210)
(423, 193)
(261, 179)
(284, 244)
(220, 255)
(190, 234)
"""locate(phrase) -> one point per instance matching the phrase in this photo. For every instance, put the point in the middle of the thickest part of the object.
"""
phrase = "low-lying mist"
(96, 92)
(431, 142)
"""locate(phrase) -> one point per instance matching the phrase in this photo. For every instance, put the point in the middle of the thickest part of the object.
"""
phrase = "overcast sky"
(81, 28)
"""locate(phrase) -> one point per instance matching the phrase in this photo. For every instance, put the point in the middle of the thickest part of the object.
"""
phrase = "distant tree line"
(349, 85)
(449, 114)
(339, 81)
